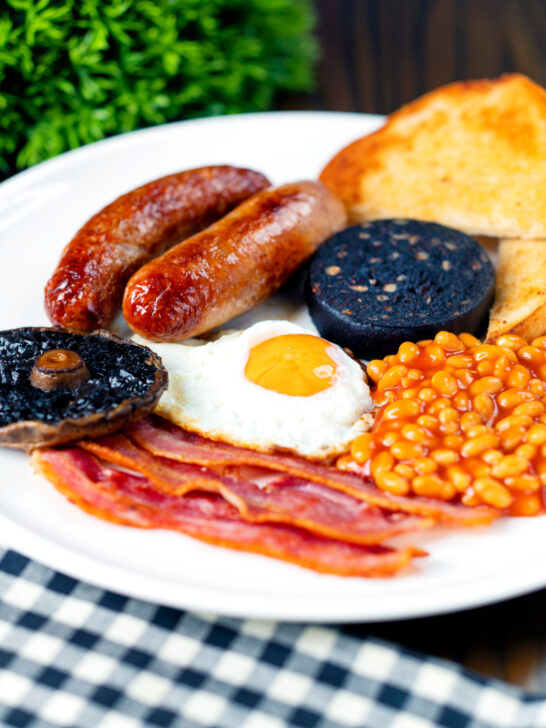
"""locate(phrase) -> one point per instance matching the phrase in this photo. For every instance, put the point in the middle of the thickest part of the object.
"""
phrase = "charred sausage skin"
(233, 265)
(87, 286)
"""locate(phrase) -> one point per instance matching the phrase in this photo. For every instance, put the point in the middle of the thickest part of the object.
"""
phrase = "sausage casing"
(233, 265)
(87, 286)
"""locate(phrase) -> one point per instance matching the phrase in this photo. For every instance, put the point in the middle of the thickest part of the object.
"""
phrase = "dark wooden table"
(377, 55)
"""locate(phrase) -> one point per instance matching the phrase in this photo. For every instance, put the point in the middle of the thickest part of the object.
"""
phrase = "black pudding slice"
(378, 284)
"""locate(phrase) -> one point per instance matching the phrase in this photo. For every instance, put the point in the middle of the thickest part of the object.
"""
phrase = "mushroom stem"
(58, 368)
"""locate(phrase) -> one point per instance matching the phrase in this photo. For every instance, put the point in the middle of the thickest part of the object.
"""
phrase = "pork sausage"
(233, 265)
(87, 286)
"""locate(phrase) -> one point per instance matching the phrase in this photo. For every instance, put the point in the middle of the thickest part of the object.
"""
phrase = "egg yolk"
(295, 364)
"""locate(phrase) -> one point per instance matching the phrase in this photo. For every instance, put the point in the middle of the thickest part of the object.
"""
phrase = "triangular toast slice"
(520, 292)
(470, 155)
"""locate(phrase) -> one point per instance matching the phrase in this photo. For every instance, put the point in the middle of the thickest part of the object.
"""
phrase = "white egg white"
(208, 393)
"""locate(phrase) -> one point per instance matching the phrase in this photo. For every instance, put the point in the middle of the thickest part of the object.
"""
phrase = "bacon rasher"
(263, 496)
(169, 441)
(132, 500)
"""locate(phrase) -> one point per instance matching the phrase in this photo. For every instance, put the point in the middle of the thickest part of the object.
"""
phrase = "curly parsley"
(74, 71)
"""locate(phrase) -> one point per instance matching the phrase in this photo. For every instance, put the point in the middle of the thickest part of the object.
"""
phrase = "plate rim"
(205, 601)
(66, 158)
(94, 571)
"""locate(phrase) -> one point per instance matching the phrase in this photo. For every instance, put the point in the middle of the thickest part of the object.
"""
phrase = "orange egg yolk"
(294, 364)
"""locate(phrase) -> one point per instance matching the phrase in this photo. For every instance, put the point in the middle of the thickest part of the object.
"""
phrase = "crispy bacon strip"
(170, 441)
(263, 496)
(133, 501)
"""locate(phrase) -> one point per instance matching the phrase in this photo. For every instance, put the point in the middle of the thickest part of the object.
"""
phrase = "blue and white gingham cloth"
(74, 655)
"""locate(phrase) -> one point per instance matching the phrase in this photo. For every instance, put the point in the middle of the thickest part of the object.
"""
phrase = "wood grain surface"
(379, 54)
(376, 56)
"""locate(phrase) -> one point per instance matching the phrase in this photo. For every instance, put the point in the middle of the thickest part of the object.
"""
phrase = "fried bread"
(520, 293)
(470, 155)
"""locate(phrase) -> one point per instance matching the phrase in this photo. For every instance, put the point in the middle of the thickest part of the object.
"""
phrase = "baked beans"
(460, 420)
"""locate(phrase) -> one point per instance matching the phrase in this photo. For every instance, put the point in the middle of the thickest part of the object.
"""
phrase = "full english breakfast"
(313, 449)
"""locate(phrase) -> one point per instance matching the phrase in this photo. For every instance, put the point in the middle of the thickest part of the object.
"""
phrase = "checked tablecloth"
(75, 655)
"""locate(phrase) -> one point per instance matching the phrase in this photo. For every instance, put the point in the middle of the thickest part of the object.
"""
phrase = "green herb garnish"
(75, 71)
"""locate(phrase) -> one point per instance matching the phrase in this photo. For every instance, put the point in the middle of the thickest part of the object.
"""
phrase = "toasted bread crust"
(520, 292)
(470, 155)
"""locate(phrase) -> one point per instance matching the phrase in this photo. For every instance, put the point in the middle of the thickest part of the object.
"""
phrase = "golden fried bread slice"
(520, 291)
(470, 155)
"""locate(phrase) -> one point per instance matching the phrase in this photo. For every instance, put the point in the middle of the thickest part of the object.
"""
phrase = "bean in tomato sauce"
(461, 421)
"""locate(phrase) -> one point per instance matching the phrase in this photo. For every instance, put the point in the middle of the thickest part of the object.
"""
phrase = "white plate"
(39, 212)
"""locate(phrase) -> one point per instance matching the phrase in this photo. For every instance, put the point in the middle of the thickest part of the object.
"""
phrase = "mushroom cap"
(125, 381)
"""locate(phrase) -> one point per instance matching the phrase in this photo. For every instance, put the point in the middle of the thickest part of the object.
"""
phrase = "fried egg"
(272, 386)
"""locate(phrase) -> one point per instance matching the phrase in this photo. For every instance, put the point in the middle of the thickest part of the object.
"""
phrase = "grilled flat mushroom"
(56, 387)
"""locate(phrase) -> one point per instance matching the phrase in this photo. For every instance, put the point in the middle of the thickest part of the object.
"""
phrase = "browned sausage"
(232, 265)
(86, 289)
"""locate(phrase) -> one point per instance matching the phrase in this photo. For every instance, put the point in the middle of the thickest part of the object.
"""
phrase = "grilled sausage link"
(87, 286)
(233, 265)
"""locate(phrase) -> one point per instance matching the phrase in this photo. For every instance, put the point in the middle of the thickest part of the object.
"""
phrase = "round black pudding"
(378, 284)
